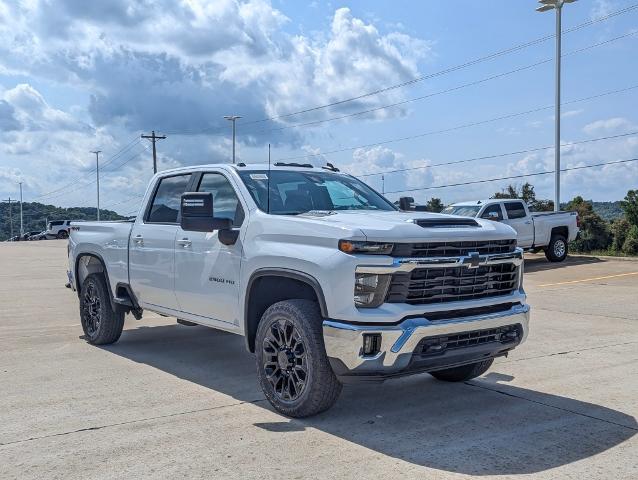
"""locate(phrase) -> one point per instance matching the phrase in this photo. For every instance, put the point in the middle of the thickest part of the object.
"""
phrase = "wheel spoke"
(284, 360)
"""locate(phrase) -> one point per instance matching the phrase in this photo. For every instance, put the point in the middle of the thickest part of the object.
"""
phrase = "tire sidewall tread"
(322, 387)
(111, 322)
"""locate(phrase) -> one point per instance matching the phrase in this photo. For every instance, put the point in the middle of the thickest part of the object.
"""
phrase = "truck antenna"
(268, 184)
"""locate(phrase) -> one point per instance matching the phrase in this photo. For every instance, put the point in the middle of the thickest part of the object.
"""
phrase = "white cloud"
(176, 66)
(610, 125)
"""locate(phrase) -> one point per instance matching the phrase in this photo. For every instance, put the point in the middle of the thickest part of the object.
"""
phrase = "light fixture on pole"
(232, 118)
(557, 5)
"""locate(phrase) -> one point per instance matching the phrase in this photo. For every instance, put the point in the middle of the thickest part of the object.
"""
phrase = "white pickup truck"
(327, 281)
(547, 231)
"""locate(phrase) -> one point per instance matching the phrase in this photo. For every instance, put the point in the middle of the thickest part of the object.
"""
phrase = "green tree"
(630, 206)
(434, 205)
(630, 247)
(594, 231)
(526, 193)
(619, 230)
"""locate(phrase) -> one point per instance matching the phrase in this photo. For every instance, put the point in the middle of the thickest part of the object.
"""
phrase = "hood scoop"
(446, 222)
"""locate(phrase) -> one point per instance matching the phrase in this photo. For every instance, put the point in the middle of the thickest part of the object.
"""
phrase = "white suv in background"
(58, 229)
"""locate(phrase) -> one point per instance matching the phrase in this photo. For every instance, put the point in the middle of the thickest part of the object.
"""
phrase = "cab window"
(514, 210)
(492, 209)
(166, 202)
(225, 201)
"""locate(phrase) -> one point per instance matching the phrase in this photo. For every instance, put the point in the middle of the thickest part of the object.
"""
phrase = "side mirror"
(493, 216)
(197, 214)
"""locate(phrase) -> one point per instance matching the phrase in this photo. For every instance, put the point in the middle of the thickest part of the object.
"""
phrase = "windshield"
(295, 192)
(462, 210)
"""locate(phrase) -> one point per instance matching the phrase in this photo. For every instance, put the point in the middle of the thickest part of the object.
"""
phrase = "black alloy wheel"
(284, 360)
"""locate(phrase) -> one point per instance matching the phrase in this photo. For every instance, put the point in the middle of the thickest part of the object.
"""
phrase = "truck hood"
(401, 226)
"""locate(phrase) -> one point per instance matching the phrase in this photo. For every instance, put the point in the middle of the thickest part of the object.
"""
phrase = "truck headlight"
(375, 248)
(370, 289)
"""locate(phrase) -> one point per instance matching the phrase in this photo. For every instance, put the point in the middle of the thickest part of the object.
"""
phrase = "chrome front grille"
(450, 284)
(453, 249)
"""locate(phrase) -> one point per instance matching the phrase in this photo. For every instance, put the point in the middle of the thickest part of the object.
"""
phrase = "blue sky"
(76, 76)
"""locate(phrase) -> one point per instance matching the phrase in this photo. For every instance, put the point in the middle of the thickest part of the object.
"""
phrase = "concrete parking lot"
(170, 401)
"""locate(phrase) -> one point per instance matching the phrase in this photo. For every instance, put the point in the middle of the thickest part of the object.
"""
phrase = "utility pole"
(232, 118)
(21, 222)
(97, 166)
(557, 5)
(10, 217)
(154, 138)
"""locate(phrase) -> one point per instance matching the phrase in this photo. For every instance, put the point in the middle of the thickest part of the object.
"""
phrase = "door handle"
(184, 242)
(139, 239)
(528, 222)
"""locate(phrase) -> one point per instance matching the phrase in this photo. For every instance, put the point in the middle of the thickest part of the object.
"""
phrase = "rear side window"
(225, 201)
(514, 210)
(165, 206)
(496, 208)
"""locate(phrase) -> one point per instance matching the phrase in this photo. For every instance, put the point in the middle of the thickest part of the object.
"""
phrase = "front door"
(519, 220)
(206, 270)
(152, 245)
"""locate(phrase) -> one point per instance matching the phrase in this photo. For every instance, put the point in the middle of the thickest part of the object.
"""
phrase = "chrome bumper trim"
(469, 261)
(343, 341)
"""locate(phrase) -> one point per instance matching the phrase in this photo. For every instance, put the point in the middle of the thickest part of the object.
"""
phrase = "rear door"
(152, 244)
(518, 218)
(206, 270)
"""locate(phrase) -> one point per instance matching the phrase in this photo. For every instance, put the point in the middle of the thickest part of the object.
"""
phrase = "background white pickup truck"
(324, 277)
(547, 231)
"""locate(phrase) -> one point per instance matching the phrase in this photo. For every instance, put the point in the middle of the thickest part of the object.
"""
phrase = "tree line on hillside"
(36, 215)
(614, 230)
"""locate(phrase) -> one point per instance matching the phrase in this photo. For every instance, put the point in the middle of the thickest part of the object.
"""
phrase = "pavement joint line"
(551, 406)
(587, 279)
(569, 351)
(129, 422)
(583, 313)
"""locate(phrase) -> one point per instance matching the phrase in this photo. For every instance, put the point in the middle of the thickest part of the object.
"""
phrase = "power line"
(128, 199)
(80, 187)
(448, 90)
(498, 155)
(456, 67)
(423, 77)
(511, 177)
(457, 127)
(122, 151)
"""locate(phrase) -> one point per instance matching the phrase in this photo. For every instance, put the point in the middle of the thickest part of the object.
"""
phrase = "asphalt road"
(170, 401)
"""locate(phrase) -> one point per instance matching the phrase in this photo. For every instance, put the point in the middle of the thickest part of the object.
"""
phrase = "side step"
(186, 322)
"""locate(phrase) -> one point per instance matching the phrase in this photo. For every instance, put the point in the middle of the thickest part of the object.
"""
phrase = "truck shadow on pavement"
(538, 263)
(481, 427)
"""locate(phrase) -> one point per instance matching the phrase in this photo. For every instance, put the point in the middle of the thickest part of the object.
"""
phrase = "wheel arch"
(271, 285)
(562, 230)
(85, 265)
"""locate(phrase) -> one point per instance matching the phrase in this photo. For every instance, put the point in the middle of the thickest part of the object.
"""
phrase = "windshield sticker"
(259, 176)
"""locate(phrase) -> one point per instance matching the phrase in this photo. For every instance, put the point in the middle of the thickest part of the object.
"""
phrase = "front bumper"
(398, 353)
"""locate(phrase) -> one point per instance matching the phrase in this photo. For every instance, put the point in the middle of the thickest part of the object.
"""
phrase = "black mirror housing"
(197, 213)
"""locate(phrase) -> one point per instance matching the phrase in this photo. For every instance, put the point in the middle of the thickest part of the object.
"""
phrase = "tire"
(62, 234)
(292, 366)
(556, 251)
(464, 372)
(100, 323)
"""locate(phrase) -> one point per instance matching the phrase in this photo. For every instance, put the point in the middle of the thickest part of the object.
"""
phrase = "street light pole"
(557, 5)
(232, 118)
(21, 222)
(97, 167)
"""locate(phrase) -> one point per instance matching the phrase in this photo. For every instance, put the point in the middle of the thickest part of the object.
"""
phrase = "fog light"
(371, 344)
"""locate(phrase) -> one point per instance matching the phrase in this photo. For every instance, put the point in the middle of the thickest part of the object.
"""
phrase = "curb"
(605, 257)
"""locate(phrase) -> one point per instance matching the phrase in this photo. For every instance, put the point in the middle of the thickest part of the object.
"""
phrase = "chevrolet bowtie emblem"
(474, 260)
